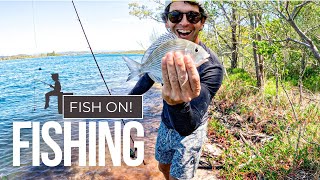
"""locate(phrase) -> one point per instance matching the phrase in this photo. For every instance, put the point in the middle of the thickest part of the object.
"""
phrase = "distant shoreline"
(26, 56)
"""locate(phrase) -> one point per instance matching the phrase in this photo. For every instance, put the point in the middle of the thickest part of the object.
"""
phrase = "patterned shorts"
(182, 152)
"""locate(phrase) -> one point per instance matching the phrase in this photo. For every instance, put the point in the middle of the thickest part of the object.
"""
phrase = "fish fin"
(134, 67)
(160, 40)
(154, 78)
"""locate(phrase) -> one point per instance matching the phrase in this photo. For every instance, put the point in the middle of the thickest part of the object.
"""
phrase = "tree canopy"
(277, 38)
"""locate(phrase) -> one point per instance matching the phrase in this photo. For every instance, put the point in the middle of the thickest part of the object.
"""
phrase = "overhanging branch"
(299, 42)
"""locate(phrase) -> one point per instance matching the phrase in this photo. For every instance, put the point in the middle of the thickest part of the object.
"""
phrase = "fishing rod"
(44, 82)
(94, 57)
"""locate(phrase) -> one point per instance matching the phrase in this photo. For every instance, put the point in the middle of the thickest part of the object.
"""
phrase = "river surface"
(22, 99)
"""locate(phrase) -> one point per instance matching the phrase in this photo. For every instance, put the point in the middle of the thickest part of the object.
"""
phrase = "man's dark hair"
(164, 15)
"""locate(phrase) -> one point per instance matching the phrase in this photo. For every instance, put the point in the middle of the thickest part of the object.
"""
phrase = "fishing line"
(34, 89)
(34, 94)
(34, 27)
(94, 57)
(36, 47)
(75, 9)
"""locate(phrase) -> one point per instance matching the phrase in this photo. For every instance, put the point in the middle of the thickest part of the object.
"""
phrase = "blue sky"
(30, 27)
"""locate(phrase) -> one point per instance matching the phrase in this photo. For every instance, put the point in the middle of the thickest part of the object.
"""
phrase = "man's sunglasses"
(192, 17)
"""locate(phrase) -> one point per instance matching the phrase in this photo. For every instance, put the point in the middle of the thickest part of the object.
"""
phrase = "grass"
(262, 137)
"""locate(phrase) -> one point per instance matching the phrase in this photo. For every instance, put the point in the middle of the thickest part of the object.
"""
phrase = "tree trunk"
(302, 70)
(261, 67)
(258, 61)
(234, 61)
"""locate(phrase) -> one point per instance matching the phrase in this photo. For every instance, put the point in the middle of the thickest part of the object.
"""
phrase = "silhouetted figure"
(56, 89)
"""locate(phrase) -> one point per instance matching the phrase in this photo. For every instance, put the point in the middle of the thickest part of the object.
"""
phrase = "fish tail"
(134, 67)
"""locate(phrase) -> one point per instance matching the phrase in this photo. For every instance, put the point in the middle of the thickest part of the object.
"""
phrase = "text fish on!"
(86, 106)
(97, 107)
(104, 135)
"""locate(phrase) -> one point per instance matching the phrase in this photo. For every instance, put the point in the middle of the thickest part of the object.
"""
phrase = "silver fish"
(151, 61)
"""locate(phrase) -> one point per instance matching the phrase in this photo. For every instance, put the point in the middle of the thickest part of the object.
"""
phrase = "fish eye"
(196, 50)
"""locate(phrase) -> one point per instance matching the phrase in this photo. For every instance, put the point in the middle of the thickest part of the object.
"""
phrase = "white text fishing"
(104, 135)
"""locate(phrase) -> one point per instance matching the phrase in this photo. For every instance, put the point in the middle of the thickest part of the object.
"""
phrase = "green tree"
(298, 18)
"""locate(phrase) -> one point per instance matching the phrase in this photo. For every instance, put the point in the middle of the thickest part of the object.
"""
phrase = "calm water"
(22, 99)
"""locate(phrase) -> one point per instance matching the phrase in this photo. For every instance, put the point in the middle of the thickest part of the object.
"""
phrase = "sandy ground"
(205, 175)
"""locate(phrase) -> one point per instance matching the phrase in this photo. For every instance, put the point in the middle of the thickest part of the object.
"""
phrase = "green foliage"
(280, 56)
(242, 76)
(267, 49)
(52, 54)
(208, 41)
(143, 11)
(219, 128)
(25, 56)
(139, 11)
(270, 88)
(4, 177)
(285, 152)
(311, 78)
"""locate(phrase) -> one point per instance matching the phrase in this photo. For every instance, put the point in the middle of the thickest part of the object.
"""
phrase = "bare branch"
(287, 6)
(279, 11)
(307, 40)
(216, 35)
(263, 27)
(226, 14)
(297, 9)
(224, 40)
(299, 42)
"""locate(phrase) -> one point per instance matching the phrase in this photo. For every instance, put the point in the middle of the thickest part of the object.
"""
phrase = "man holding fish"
(191, 75)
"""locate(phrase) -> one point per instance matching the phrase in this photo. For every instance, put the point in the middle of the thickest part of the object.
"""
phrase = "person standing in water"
(56, 89)
(183, 127)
